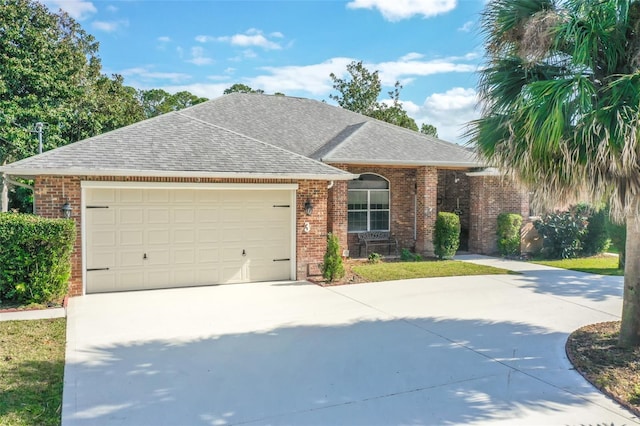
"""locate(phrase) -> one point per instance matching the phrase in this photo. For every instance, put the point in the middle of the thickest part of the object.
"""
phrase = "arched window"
(368, 203)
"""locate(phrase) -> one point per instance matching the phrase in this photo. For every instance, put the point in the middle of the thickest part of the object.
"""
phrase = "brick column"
(337, 212)
(426, 208)
(311, 245)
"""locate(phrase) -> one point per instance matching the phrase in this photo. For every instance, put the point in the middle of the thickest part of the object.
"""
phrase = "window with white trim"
(368, 204)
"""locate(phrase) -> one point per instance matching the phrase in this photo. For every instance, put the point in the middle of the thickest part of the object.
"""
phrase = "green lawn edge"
(602, 265)
(392, 271)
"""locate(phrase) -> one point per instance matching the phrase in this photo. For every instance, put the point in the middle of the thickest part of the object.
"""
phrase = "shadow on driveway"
(367, 372)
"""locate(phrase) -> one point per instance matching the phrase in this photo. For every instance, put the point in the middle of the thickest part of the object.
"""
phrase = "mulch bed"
(350, 277)
(615, 371)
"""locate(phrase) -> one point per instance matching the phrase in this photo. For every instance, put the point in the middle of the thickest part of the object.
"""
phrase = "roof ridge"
(256, 140)
(338, 144)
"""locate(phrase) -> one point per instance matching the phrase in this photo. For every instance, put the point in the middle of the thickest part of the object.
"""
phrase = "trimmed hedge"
(35, 258)
(446, 235)
(508, 232)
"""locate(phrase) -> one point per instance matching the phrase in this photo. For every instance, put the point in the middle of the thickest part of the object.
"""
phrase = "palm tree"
(560, 95)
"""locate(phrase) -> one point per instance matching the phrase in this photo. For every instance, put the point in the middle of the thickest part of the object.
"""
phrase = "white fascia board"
(179, 174)
(404, 163)
(188, 185)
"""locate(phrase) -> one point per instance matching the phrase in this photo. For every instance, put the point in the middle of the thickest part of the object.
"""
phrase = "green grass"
(31, 371)
(603, 265)
(428, 269)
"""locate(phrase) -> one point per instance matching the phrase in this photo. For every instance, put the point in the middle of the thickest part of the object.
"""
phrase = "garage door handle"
(244, 253)
(97, 269)
(281, 260)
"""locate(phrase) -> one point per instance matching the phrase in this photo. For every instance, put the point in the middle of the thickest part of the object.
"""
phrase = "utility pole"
(38, 130)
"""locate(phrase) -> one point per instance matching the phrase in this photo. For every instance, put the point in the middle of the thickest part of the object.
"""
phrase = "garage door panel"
(129, 237)
(131, 216)
(190, 237)
(130, 196)
(158, 215)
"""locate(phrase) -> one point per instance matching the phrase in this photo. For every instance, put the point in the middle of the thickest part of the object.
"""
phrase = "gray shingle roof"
(248, 135)
(328, 133)
(174, 143)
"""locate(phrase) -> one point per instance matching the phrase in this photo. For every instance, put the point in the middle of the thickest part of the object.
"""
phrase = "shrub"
(446, 235)
(508, 232)
(35, 257)
(562, 233)
(618, 234)
(596, 239)
(407, 256)
(375, 257)
(332, 268)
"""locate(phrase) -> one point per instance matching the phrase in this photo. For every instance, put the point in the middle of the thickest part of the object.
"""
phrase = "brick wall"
(453, 197)
(490, 196)
(52, 192)
(402, 189)
(337, 212)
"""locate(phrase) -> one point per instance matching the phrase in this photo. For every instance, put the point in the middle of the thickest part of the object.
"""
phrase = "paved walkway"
(460, 350)
(33, 314)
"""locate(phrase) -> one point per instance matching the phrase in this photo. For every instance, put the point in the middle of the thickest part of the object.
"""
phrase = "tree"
(360, 93)
(238, 88)
(429, 129)
(47, 64)
(561, 110)
(157, 101)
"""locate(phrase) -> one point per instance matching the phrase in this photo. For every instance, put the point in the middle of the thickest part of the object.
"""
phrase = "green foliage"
(562, 233)
(35, 257)
(157, 101)
(374, 257)
(360, 94)
(239, 88)
(446, 235)
(508, 232)
(407, 256)
(429, 129)
(332, 268)
(597, 238)
(618, 234)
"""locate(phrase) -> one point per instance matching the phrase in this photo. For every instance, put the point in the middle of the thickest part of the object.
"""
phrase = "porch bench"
(370, 239)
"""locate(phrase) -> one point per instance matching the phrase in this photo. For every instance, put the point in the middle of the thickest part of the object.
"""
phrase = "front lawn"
(31, 371)
(602, 264)
(389, 271)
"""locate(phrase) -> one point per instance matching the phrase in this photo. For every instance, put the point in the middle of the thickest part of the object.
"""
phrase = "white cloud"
(109, 26)
(111, 8)
(410, 65)
(252, 38)
(396, 10)
(277, 34)
(204, 38)
(147, 74)
(198, 56)
(164, 39)
(205, 90)
(77, 9)
(312, 79)
(450, 112)
(467, 26)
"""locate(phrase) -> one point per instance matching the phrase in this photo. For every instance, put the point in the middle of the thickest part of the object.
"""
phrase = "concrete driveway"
(464, 350)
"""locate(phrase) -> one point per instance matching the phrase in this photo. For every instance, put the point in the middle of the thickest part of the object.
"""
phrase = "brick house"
(246, 187)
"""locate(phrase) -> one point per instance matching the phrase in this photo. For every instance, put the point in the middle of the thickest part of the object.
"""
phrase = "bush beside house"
(508, 232)
(35, 258)
(446, 235)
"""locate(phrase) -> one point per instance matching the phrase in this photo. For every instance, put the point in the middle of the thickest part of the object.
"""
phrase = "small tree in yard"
(446, 235)
(332, 268)
(508, 232)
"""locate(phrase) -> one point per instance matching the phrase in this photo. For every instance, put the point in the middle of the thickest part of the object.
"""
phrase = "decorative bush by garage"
(35, 257)
(446, 235)
(332, 268)
(508, 232)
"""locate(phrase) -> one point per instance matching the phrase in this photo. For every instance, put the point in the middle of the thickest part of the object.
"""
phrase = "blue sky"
(432, 47)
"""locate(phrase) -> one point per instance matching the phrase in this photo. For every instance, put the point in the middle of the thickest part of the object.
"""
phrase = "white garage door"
(159, 238)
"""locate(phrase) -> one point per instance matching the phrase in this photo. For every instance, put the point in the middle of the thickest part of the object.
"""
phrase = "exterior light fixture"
(66, 210)
(308, 207)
